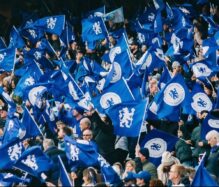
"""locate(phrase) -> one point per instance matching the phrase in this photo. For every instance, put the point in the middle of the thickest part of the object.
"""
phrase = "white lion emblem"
(126, 117)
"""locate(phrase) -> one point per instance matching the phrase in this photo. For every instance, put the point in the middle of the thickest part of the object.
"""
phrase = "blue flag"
(10, 153)
(64, 178)
(200, 100)
(209, 123)
(158, 25)
(167, 102)
(116, 93)
(93, 29)
(164, 78)
(158, 142)
(202, 177)
(7, 59)
(29, 78)
(116, 16)
(34, 162)
(127, 118)
(32, 129)
(68, 34)
(80, 153)
(109, 175)
(16, 40)
(52, 24)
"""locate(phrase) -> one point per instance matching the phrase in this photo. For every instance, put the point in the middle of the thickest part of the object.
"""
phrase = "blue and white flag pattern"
(157, 143)
(127, 118)
(209, 123)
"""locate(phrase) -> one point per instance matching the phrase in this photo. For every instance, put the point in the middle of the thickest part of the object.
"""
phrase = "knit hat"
(144, 151)
(168, 159)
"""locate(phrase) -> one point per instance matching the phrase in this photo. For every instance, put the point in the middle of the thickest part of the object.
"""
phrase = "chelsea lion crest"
(156, 147)
(174, 94)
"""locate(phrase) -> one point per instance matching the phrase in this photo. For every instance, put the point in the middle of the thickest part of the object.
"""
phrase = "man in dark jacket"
(212, 161)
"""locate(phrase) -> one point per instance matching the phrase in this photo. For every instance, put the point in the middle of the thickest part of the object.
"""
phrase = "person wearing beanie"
(142, 162)
(163, 169)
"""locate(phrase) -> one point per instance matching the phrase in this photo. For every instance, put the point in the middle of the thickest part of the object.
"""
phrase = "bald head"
(85, 123)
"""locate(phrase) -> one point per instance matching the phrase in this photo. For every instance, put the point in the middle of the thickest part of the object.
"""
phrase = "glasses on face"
(86, 134)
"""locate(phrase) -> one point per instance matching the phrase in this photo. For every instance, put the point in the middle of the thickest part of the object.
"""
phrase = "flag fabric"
(31, 127)
(93, 29)
(201, 68)
(158, 142)
(10, 153)
(33, 34)
(51, 24)
(200, 100)
(16, 40)
(109, 175)
(127, 118)
(80, 153)
(68, 34)
(7, 59)
(29, 78)
(167, 102)
(209, 123)
(202, 177)
(158, 26)
(116, 93)
(159, 4)
(64, 178)
(34, 162)
(164, 78)
(11, 178)
(116, 16)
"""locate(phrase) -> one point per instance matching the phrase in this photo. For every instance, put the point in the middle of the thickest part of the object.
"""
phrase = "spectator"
(129, 167)
(177, 176)
(156, 183)
(212, 160)
(142, 178)
(163, 169)
(142, 162)
(129, 180)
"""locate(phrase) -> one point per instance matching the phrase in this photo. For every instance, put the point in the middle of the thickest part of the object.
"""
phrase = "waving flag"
(33, 34)
(200, 101)
(64, 178)
(10, 153)
(203, 68)
(52, 24)
(209, 45)
(202, 177)
(109, 175)
(16, 40)
(159, 4)
(209, 123)
(29, 78)
(116, 93)
(158, 142)
(168, 101)
(93, 29)
(7, 59)
(32, 129)
(127, 118)
(68, 34)
(13, 129)
(116, 16)
(158, 26)
(34, 161)
(80, 153)
(164, 78)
